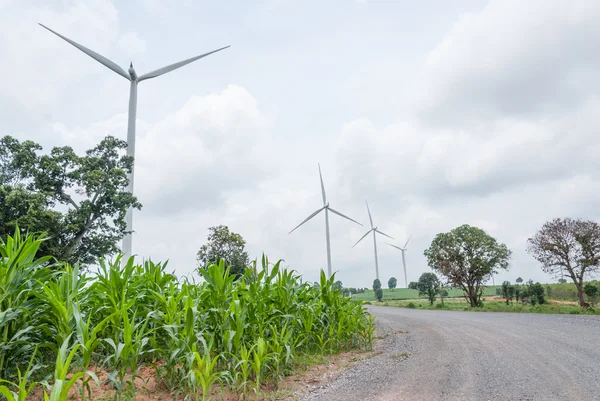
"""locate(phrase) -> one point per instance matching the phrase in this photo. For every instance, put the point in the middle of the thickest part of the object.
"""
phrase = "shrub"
(411, 305)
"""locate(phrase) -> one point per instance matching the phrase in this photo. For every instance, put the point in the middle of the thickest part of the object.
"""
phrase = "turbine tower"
(327, 209)
(373, 230)
(403, 258)
(134, 79)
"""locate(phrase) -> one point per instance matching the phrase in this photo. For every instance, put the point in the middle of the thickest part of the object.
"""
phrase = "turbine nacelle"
(132, 72)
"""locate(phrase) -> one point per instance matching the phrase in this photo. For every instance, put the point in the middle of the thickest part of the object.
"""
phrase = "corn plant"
(59, 390)
(20, 275)
(23, 387)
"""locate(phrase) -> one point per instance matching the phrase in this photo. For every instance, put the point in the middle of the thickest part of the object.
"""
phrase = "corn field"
(61, 328)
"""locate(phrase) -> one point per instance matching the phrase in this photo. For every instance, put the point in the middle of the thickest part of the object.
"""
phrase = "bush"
(411, 305)
(379, 294)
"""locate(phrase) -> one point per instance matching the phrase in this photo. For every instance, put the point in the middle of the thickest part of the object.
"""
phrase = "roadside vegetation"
(65, 333)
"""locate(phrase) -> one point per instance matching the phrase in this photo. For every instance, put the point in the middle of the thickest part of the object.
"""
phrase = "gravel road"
(444, 355)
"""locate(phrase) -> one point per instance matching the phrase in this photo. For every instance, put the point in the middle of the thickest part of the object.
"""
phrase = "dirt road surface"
(479, 356)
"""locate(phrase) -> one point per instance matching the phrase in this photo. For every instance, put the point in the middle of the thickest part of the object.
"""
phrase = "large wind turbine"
(131, 76)
(373, 230)
(327, 209)
(403, 259)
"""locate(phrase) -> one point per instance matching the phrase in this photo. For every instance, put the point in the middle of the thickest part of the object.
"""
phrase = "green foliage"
(226, 245)
(508, 291)
(237, 332)
(379, 294)
(78, 202)
(534, 293)
(519, 280)
(591, 290)
(428, 285)
(562, 280)
(412, 285)
(392, 282)
(467, 257)
(376, 284)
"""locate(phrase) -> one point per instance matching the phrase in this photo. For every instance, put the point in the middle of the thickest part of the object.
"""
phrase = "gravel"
(445, 355)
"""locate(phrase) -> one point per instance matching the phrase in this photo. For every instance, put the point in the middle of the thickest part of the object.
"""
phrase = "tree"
(467, 257)
(569, 247)
(338, 285)
(428, 285)
(412, 285)
(562, 280)
(535, 292)
(443, 293)
(591, 291)
(224, 244)
(377, 289)
(392, 282)
(508, 291)
(519, 280)
(78, 202)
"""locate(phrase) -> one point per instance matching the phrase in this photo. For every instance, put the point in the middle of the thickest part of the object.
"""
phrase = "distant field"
(491, 306)
(563, 292)
(406, 293)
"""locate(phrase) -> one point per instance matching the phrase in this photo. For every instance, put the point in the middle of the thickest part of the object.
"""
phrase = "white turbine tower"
(131, 76)
(403, 258)
(327, 209)
(373, 230)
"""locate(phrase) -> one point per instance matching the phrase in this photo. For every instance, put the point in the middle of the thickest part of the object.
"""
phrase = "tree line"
(467, 257)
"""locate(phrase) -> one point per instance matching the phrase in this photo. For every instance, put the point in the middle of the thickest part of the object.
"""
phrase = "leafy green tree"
(392, 282)
(517, 292)
(508, 291)
(549, 291)
(569, 247)
(591, 291)
(535, 293)
(412, 285)
(378, 292)
(78, 202)
(467, 257)
(227, 245)
(519, 280)
(428, 285)
(562, 280)
(338, 285)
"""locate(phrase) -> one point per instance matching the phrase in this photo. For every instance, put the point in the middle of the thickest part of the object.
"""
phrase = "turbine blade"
(342, 215)
(322, 186)
(376, 230)
(397, 247)
(172, 67)
(407, 241)
(99, 58)
(370, 218)
(361, 238)
(308, 218)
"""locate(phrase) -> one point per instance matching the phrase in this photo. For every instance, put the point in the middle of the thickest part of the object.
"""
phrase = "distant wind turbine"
(131, 76)
(373, 230)
(327, 209)
(403, 249)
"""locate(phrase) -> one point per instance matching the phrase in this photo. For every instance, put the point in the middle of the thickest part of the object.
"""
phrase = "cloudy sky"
(436, 113)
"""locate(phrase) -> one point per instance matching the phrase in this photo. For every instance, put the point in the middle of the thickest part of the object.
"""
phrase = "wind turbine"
(131, 76)
(403, 259)
(373, 230)
(327, 209)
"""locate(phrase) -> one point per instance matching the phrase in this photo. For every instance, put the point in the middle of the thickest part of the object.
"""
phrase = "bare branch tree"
(568, 247)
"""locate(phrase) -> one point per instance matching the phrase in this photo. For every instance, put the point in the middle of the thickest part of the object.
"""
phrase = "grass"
(491, 306)
(558, 291)
(407, 293)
